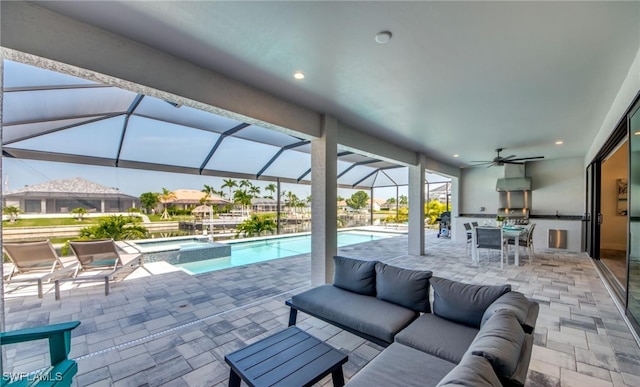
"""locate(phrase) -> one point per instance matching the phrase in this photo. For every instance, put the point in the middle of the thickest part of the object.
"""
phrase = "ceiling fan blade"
(508, 157)
(511, 162)
(481, 161)
(528, 158)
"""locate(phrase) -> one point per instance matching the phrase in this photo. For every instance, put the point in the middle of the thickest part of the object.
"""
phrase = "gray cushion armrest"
(519, 377)
(439, 337)
(399, 365)
(501, 341)
(525, 310)
(365, 314)
(473, 371)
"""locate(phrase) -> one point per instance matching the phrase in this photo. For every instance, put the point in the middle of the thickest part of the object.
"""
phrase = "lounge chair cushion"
(409, 288)
(365, 314)
(525, 310)
(399, 365)
(473, 371)
(463, 303)
(355, 275)
(439, 337)
(503, 342)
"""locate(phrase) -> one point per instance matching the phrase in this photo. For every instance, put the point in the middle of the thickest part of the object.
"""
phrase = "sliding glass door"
(633, 306)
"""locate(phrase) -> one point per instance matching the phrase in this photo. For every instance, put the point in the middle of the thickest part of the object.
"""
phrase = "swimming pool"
(244, 253)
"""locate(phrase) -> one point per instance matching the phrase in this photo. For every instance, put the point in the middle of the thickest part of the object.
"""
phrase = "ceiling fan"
(499, 160)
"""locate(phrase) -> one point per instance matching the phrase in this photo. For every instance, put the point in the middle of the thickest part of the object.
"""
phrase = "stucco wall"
(556, 185)
(626, 94)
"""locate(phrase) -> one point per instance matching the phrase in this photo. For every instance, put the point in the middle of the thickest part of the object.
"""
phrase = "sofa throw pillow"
(525, 310)
(355, 275)
(501, 341)
(463, 303)
(408, 288)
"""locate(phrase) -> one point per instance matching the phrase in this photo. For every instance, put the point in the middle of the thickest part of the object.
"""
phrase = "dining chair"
(490, 238)
(469, 230)
(525, 240)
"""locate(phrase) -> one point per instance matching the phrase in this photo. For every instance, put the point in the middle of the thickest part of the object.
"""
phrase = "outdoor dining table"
(508, 232)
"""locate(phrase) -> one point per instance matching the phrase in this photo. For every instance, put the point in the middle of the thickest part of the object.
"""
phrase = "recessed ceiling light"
(559, 142)
(383, 37)
(636, 133)
(298, 75)
(456, 155)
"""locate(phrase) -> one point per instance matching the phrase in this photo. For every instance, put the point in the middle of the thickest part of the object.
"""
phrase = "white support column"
(416, 207)
(324, 191)
(455, 211)
(3, 357)
(43, 206)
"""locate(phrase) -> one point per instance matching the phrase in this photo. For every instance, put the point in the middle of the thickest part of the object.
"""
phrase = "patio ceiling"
(57, 117)
(457, 78)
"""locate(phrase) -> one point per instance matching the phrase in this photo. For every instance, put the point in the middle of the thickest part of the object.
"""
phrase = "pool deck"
(163, 327)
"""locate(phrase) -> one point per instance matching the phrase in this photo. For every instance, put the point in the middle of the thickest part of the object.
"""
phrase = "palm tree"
(208, 190)
(166, 196)
(254, 190)
(229, 183)
(116, 227)
(79, 213)
(245, 184)
(291, 200)
(243, 198)
(256, 225)
(271, 188)
(13, 213)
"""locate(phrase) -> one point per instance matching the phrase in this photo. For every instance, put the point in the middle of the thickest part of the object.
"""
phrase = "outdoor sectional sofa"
(474, 335)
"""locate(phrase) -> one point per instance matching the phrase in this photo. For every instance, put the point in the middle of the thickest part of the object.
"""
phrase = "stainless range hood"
(513, 184)
(514, 193)
(514, 179)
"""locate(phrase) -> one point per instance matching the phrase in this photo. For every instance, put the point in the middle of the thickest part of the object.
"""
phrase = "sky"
(17, 173)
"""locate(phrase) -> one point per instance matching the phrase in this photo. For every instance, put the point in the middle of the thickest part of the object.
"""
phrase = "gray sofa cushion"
(399, 365)
(409, 288)
(473, 371)
(355, 275)
(463, 303)
(501, 341)
(437, 336)
(365, 314)
(525, 310)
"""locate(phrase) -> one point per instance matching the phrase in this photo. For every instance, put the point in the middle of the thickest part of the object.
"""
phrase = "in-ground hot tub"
(181, 249)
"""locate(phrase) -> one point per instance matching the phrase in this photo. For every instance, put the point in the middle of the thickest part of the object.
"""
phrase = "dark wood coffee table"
(288, 358)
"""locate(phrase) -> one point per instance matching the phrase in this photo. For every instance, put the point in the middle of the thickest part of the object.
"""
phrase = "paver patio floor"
(173, 329)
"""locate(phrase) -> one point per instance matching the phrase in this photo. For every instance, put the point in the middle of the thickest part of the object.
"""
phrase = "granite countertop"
(531, 216)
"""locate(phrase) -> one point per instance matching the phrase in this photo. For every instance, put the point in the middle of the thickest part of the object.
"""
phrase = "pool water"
(244, 253)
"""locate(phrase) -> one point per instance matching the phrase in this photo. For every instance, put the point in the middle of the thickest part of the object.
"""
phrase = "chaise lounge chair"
(36, 262)
(103, 256)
